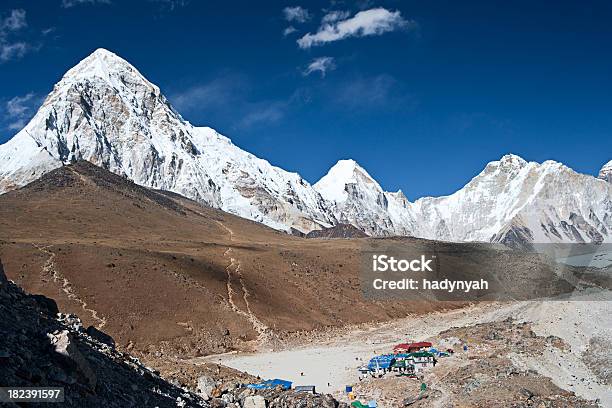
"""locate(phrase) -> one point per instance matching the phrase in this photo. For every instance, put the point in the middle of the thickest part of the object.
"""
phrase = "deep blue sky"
(423, 107)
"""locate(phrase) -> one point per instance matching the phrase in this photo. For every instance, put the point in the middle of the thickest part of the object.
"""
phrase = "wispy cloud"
(335, 15)
(219, 93)
(373, 93)
(72, 3)
(171, 5)
(370, 22)
(15, 21)
(289, 30)
(47, 31)
(297, 14)
(230, 99)
(321, 64)
(12, 49)
(19, 109)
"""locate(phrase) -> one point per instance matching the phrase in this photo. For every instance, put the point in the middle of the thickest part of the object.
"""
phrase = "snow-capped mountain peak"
(103, 110)
(333, 186)
(357, 198)
(606, 172)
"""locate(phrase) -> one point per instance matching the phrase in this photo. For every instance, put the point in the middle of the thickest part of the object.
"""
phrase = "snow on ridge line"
(105, 111)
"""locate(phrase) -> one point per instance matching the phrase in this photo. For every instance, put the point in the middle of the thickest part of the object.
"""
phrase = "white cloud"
(375, 21)
(321, 64)
(72, 3)
(297, 14)
(9, 51)
(19, 110)
(333, 16)
(289, 30)
(14, 22)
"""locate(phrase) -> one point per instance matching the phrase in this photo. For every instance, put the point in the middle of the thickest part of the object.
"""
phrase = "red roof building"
(411, 347)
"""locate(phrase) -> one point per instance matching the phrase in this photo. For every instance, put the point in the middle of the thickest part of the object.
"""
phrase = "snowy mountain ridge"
(104, 111)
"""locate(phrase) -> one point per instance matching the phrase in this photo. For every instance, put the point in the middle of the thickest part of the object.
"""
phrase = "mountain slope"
(512, 199)
(104, 111)
(161, 273)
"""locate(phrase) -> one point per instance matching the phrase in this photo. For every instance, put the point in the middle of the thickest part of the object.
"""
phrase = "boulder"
(100, 336)
(64, 344)
(205, 387)
(254, 401)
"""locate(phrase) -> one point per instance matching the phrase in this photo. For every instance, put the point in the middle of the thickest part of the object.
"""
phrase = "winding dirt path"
(234, 268)
(49, 269)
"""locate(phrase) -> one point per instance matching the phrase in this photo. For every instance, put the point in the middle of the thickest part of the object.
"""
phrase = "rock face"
(64, 344)
(104, 111)
(338, 231)
(255, 401)
(357, 199)
(606, 172)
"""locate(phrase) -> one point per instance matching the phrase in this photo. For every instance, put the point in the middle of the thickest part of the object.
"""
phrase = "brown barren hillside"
(163, 274)
(160, 272)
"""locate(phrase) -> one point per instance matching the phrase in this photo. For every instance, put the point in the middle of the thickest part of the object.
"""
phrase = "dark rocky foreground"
(41, 348)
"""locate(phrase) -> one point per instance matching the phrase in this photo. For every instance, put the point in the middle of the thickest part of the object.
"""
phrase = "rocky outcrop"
(606, 172)
(338, 231)
(42, 349)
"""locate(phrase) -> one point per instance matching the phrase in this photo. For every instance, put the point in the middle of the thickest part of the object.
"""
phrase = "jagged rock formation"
(104, 111)
(606, 172)
(357, 199)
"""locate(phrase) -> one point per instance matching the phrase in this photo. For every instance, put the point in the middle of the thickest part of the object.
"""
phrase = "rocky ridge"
(104, 111)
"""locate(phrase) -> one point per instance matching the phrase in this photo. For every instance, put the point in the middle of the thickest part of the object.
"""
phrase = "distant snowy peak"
(606, 172)
(104, 111)
(335, 185)
(356, 198)
(514, 201)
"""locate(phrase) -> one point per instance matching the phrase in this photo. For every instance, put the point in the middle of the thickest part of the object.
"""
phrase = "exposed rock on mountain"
(40, 350)
(104, 111)
(513, 200)
(338, 231)
(357, 199)
(606, 172)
